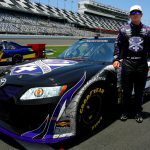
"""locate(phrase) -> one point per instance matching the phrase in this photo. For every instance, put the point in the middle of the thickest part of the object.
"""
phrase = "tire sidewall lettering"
(96, 124)
(89, 95)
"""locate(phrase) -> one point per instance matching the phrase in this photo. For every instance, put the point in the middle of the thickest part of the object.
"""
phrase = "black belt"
(135, 58)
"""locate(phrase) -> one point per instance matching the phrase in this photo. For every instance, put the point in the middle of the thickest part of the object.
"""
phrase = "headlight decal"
(56, 114)
(66, 98)
(39, 92)
(43, 92)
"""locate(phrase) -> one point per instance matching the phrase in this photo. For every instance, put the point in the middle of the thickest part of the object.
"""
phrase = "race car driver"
(132, 48)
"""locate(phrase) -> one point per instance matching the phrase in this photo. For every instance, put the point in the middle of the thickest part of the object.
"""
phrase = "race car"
(12, 53)
(52, 100)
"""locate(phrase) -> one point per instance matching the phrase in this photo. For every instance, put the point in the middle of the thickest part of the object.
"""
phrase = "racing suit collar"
(136, 26)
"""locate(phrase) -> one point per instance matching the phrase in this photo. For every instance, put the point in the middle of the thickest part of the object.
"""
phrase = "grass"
(58, 50)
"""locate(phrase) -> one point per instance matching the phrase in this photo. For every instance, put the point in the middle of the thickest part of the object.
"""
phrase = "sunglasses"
(135, 12)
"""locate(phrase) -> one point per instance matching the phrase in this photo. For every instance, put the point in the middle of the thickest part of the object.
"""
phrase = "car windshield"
(95, 50)
(10, 46)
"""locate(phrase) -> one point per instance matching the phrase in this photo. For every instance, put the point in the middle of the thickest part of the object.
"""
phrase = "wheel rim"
(17, 59)
(92, 110)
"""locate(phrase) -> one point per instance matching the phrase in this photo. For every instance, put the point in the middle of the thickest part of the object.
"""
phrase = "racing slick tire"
(17, 58)
(90, 110)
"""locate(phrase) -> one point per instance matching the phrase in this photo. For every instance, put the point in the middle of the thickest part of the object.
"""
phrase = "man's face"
(136, 16)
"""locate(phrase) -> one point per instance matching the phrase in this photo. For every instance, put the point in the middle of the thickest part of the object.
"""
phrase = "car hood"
(41, 66)
(51, 72)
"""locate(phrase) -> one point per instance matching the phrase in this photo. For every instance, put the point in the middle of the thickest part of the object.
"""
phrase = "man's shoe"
(139, 118)
(123, 117)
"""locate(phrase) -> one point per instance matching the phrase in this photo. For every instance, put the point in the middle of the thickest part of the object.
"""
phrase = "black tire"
(90, 111)
(17, 58)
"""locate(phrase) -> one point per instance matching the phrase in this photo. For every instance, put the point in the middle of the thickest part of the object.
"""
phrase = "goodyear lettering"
(97, 123)
(90, 93)
(94, 91)
(87, 97)
(90, 117)
(102, 78)
(101, 91)
(82, 106)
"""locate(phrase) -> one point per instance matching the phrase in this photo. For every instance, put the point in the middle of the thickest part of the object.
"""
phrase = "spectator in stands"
(132, 47)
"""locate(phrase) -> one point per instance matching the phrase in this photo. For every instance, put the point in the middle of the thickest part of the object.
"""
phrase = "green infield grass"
(57, 50)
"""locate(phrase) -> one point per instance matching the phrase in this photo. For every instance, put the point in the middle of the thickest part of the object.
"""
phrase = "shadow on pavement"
(78, 140)
(146, 115)
(11, 142)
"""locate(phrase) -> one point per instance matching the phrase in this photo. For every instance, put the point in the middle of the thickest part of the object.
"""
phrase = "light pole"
(72, 5)
(49, 2)
(65, 4)
(57, 3)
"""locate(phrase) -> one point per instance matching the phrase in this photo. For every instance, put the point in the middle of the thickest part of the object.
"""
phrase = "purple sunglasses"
(135, 12)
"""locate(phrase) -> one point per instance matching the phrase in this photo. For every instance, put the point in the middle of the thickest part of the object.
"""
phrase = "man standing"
(131, 50)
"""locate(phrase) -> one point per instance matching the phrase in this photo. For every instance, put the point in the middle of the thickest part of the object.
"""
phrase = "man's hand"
(116, 64)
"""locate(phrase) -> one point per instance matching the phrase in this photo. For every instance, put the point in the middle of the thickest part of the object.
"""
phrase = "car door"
(1, 52)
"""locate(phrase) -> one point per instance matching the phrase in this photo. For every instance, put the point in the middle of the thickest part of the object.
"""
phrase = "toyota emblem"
(2, 81)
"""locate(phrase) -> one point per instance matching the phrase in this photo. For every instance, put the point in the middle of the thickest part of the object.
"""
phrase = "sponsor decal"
(41, 66)
(65, 135)
(9, 59)
(29, 68)
(44, 67)
(2, 82)
(97, 41)
(64, 123)
(136, 44)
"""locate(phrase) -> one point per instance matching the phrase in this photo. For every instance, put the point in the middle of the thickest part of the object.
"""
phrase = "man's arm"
(148, 41)
(117, 50)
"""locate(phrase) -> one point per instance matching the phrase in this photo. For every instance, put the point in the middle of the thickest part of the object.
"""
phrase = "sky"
(121, 4)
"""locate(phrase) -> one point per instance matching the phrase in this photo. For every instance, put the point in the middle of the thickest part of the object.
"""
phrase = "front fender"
(105, 77)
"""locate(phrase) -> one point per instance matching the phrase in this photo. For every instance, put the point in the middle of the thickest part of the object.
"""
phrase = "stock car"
(52, 100)
(12, 53)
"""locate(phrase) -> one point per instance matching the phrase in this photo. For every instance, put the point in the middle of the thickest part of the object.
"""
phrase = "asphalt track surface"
(116, 135)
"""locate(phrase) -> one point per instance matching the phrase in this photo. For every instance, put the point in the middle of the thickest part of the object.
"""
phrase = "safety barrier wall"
(49, 40)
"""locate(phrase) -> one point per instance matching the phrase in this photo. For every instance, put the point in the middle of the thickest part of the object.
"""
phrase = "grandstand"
(28, 17)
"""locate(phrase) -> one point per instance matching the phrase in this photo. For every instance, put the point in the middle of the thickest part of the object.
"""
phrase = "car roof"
(100, 39)
(8, 42)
